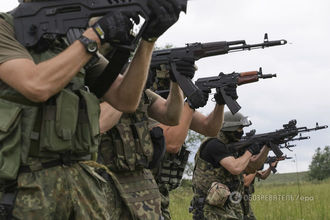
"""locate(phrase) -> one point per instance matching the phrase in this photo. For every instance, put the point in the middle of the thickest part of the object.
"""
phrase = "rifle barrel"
(266, 76)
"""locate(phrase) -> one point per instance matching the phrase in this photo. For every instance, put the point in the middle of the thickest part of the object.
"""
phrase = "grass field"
(273, 199)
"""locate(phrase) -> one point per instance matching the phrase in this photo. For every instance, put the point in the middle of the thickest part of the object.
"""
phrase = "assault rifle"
(197, 51)
(273, 139)
(207, 83)
(34, 20)
(288, 146)
(272, 159)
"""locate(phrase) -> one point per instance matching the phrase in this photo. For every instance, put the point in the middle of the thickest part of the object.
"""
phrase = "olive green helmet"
(233, 122)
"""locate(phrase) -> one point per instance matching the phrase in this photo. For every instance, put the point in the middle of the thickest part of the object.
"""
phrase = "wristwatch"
(90, 45)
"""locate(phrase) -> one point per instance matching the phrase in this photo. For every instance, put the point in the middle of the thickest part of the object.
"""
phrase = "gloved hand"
(205, 99)
(164, 14)
(230, 91)
(185, 66)
(255, 149)
(115, 27)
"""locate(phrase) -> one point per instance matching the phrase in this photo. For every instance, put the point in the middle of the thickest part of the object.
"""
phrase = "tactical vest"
(127, 150)
(170, 172)
(128, 145)
(205, 174)
(66, 124)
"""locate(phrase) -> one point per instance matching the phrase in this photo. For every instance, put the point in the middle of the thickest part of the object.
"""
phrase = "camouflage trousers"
(165, 203)
(247, 209)
(231, 211)
(138, 195)
(63, 192)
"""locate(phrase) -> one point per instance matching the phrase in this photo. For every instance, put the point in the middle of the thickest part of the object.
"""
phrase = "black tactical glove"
(230, 91)
(164, 14)
(185, 66)
(205, 99)
(255, 149)
(115, 27)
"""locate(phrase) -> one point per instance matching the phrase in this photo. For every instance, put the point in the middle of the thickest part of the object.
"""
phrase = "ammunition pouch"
(59, 121)
(171, 169)
(69, 123)
(127, 147)
(13, 137)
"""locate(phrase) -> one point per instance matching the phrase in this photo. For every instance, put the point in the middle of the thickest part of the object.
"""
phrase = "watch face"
(92, 47)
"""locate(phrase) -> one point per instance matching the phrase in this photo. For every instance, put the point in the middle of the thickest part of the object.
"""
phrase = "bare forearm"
(249, 178)
(174, 104)
(264, 174)
(236, 165)
(240, 163)
(244, 160)
(40, 81)
(125, 94)
(109, 117)
(208, 125)
(258, 160)
(176, 135)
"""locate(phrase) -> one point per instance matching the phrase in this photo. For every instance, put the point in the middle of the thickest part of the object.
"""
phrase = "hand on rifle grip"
(185, 66)
(115, 27)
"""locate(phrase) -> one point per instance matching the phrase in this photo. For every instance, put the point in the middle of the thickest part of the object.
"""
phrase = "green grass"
(272, 200)
(283, 179)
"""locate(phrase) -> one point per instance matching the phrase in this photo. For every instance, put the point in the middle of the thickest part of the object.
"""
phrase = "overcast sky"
(301, 90)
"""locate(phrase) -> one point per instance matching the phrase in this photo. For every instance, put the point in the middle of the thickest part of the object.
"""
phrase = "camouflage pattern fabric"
(203, 177)
(63, 192)
(218, 194)
(127, 150)
(139, 192)
(128, 145)
(165, 202)
(168, 176)
(230, 211)
(246, 203)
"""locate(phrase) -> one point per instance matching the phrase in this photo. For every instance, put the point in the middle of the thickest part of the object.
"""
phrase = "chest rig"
(127, 149)
(205, 174)
(128, 145)
(170, 172)
(66, 124)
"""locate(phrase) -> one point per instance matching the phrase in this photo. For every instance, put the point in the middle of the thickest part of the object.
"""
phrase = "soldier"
(169, 173)
(49, 119)
(217, 178)
(130, 149)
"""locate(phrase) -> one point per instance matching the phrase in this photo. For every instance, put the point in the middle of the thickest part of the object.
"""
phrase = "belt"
(52, 163)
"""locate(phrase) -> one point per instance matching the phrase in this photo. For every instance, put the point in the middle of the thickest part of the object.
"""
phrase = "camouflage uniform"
(127, 150)
(204, 175)
(169, 175)
(246, 203)
(44, 145)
